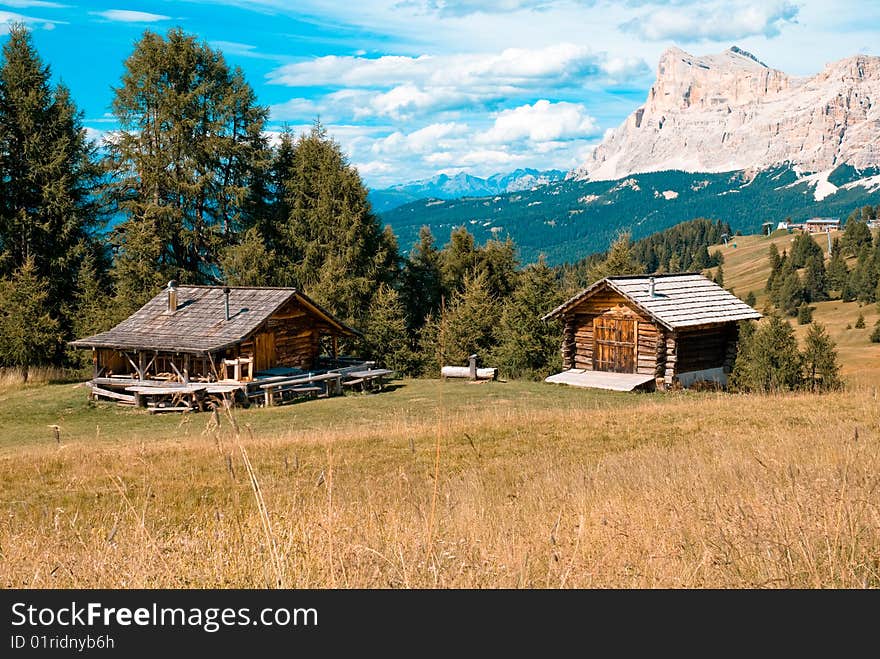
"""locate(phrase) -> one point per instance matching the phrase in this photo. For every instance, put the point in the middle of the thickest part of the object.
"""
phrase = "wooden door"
(264, 349)
(614, 344)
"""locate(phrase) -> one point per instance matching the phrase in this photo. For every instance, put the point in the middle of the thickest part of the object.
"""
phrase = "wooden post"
(94, 363)
(335, 347)
(142, 365)
(268, 395)
(186, 368)
(472, 367)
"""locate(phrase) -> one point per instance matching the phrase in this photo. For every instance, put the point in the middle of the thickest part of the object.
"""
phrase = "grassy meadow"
(435, 484)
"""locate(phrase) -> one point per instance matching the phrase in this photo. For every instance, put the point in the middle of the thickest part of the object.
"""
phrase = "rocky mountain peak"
(730, 111)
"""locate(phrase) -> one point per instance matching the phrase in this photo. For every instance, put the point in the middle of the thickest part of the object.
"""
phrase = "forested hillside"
(569, 220)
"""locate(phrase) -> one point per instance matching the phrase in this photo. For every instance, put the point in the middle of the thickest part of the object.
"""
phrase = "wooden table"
(145, 394)
(333, 380)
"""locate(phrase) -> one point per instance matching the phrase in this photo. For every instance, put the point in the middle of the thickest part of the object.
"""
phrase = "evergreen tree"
(751, 300)
(805, 314)
(385, 333)
(527, 346)
(821, 369)
(497, 261)
(875, 333)
(862, 284)
(47, 170)
(777, 261)
(137, 278)
(838, 272)
(467, 327)
(803, 248)
(459, 260)
(190, 155)
(621, 260)
(29, 335)
(331, 243)
(860, 321)
(421, 280)
(719, 276)
(94, 311)
(856, 234)
(815, 279)
(790, 295)
(768, 359)
(248, 262)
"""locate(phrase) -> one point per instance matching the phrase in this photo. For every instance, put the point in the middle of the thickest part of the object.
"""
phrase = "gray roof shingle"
(679, 301)
(199, 324)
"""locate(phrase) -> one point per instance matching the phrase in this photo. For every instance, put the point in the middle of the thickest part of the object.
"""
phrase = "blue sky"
(411, 88)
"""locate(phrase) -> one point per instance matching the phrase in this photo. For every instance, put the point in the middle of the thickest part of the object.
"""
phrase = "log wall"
(577, 351)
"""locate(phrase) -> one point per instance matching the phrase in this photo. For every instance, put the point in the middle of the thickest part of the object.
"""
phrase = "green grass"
(27, 413)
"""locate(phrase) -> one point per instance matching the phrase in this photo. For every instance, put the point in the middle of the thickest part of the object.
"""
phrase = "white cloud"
(27, 4)
(7, 18)
(714, 21)
(129, 16)
(541, 122)
(513, 67)
(424, 140)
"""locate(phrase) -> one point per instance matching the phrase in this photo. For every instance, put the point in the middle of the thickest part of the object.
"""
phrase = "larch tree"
(621, 260)
(48, 212)
(189, 159)
(821, 368)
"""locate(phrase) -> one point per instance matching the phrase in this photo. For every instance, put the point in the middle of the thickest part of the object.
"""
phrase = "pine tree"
(777, 261)
(190, 156)
(497, 261)
(805, 314)
(137, 278)
(621, 260)
(385, 333)
(803, 248)
(459, 260)
(821, 369)
(527, 346)
(860, 321)
(331, 243)
(467, 327)
(856, 234)
(47, 172)
(719, 276)
(249, 262)
(838, 272)
(815, 279)
(29, 335)
(751, 300)
(768, 359)
(790, 294)
(875, 333)
(421, 280)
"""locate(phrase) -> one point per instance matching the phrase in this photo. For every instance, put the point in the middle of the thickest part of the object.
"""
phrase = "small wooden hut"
(634, 332)
(205, 334)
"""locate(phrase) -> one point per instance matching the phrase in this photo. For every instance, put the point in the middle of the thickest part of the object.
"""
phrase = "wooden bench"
(367, 378)
(303, 383)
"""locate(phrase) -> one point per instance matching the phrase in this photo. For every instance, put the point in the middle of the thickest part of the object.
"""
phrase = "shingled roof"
(679, 301)
(199, 324)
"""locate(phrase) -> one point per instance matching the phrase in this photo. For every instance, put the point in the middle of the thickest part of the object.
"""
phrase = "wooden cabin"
(209, 334)
(646, 332)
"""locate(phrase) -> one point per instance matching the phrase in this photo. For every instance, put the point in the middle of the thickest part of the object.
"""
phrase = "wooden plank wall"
(702, 349)
(579, 327)
(291, 335)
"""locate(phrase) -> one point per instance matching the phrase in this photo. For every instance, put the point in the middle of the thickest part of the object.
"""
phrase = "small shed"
(209, 333)
(633, 332)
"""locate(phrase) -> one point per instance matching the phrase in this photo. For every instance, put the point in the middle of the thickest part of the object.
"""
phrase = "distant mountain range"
(461, 185)
(719, 136)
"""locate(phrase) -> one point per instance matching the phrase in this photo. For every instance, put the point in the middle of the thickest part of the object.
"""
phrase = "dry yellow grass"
(681, 490)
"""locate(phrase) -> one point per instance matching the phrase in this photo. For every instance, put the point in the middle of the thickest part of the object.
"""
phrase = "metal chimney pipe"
(651, 284)
(226, 296)
(172, 296)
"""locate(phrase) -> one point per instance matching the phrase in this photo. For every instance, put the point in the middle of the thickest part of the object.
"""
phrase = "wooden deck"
(602, 380)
